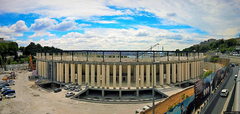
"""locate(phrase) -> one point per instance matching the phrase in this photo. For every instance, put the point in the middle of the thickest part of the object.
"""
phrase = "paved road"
(216, 107)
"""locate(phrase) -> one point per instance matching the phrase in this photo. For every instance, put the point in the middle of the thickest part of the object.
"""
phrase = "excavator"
(32, 66)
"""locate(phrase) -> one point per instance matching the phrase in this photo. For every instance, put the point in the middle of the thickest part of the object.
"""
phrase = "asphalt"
(217, 104)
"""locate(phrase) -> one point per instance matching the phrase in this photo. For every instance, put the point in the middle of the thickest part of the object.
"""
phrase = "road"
(216, 106)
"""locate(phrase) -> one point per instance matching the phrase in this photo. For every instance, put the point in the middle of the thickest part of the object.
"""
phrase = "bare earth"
(29, 100)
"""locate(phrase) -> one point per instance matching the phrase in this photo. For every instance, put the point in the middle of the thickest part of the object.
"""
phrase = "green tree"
(207, 73)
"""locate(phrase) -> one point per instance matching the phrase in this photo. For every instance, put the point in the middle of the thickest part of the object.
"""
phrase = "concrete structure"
(107, 71)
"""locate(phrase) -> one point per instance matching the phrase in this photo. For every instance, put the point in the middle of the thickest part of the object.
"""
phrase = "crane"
(32, 67)
(150, 49)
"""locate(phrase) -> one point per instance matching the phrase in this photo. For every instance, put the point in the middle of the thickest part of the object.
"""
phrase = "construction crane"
(150, 49)
(32, 67)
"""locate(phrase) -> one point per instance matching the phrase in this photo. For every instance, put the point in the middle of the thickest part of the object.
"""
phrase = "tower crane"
(150, 49)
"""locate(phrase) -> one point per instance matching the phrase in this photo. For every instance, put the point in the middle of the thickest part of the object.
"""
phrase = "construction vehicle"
(12, 76)
(32, 67)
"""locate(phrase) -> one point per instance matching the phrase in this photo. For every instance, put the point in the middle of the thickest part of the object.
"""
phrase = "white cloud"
(124, 18)
(72, 9)
(84, 25)
(42, 24)
(19, 26)
(115, 39)
(41, 34)
(105, 22)
(51, 24)
(14, 30)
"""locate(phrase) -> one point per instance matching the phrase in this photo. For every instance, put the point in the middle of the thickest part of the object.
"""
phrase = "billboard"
(202, 90)
(185, 107)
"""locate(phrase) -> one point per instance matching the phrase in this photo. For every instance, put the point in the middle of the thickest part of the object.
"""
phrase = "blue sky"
(114, 24)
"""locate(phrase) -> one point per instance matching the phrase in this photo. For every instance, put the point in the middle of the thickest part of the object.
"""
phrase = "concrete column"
(173, 73)
(98, 75)
(142, 75)
(108, 75)
(179, 73)
(103, 75)
(66, 73)
(87, 74)
(199, 68)
(58, 72)
(186, 76)
(79, 74)
(92, 75)
(120, 75)
(137, 76)
(161, 72)
(168, 73)
(192, 69)
(73, 75)
(154, 75)
(183, 72)
(128, 76)
(39, 68)
(195, 69)
(188, 73)
(42, 68)
(114, 75)
(148, 75)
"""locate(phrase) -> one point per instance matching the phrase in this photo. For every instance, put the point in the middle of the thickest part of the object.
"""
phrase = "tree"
(207, 73)
(203, 48)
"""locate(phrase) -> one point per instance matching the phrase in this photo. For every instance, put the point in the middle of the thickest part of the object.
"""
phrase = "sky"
(118, 24)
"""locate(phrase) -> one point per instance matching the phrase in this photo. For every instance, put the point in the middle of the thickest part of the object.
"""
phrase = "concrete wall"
(16, 66)
(211, 66)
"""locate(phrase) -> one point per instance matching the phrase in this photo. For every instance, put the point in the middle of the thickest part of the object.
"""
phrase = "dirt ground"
(29, 100)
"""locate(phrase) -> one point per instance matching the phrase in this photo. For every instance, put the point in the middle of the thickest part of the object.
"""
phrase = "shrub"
(207, 73)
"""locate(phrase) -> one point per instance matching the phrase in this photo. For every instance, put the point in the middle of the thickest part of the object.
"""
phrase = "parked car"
(0, 97)
(77, 90)
(10, 95)
(69, 94)
(145, 107)
(57, 90)
(236, 64)
(38, 81)
(224, 93)
(8, 92)
(138, 111)
(72, 88)
(235, 77)
(5, 89)
(66, 87)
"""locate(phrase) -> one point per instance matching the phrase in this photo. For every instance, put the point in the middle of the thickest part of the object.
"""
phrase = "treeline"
(9, 55)
(219, 46)
(32, 48)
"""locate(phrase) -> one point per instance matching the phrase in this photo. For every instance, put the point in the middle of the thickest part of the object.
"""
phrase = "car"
(5, 89)
(72, 88)
(69, 94)
(38, 81)
(0, 97)
(145, 107)
(235, 77)
(224, 93)
(77, 90)
(236, 64)
(233, 65)
(57, 90)
(10, 95)
(138, 111)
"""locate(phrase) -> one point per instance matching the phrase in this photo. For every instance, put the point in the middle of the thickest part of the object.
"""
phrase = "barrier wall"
(16, 66)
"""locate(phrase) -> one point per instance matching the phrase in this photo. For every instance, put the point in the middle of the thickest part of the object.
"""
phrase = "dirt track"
(32, 101)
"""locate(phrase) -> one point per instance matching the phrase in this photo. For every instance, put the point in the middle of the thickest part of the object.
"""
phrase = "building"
(208, 42)
(122, 74)
(4, 41)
